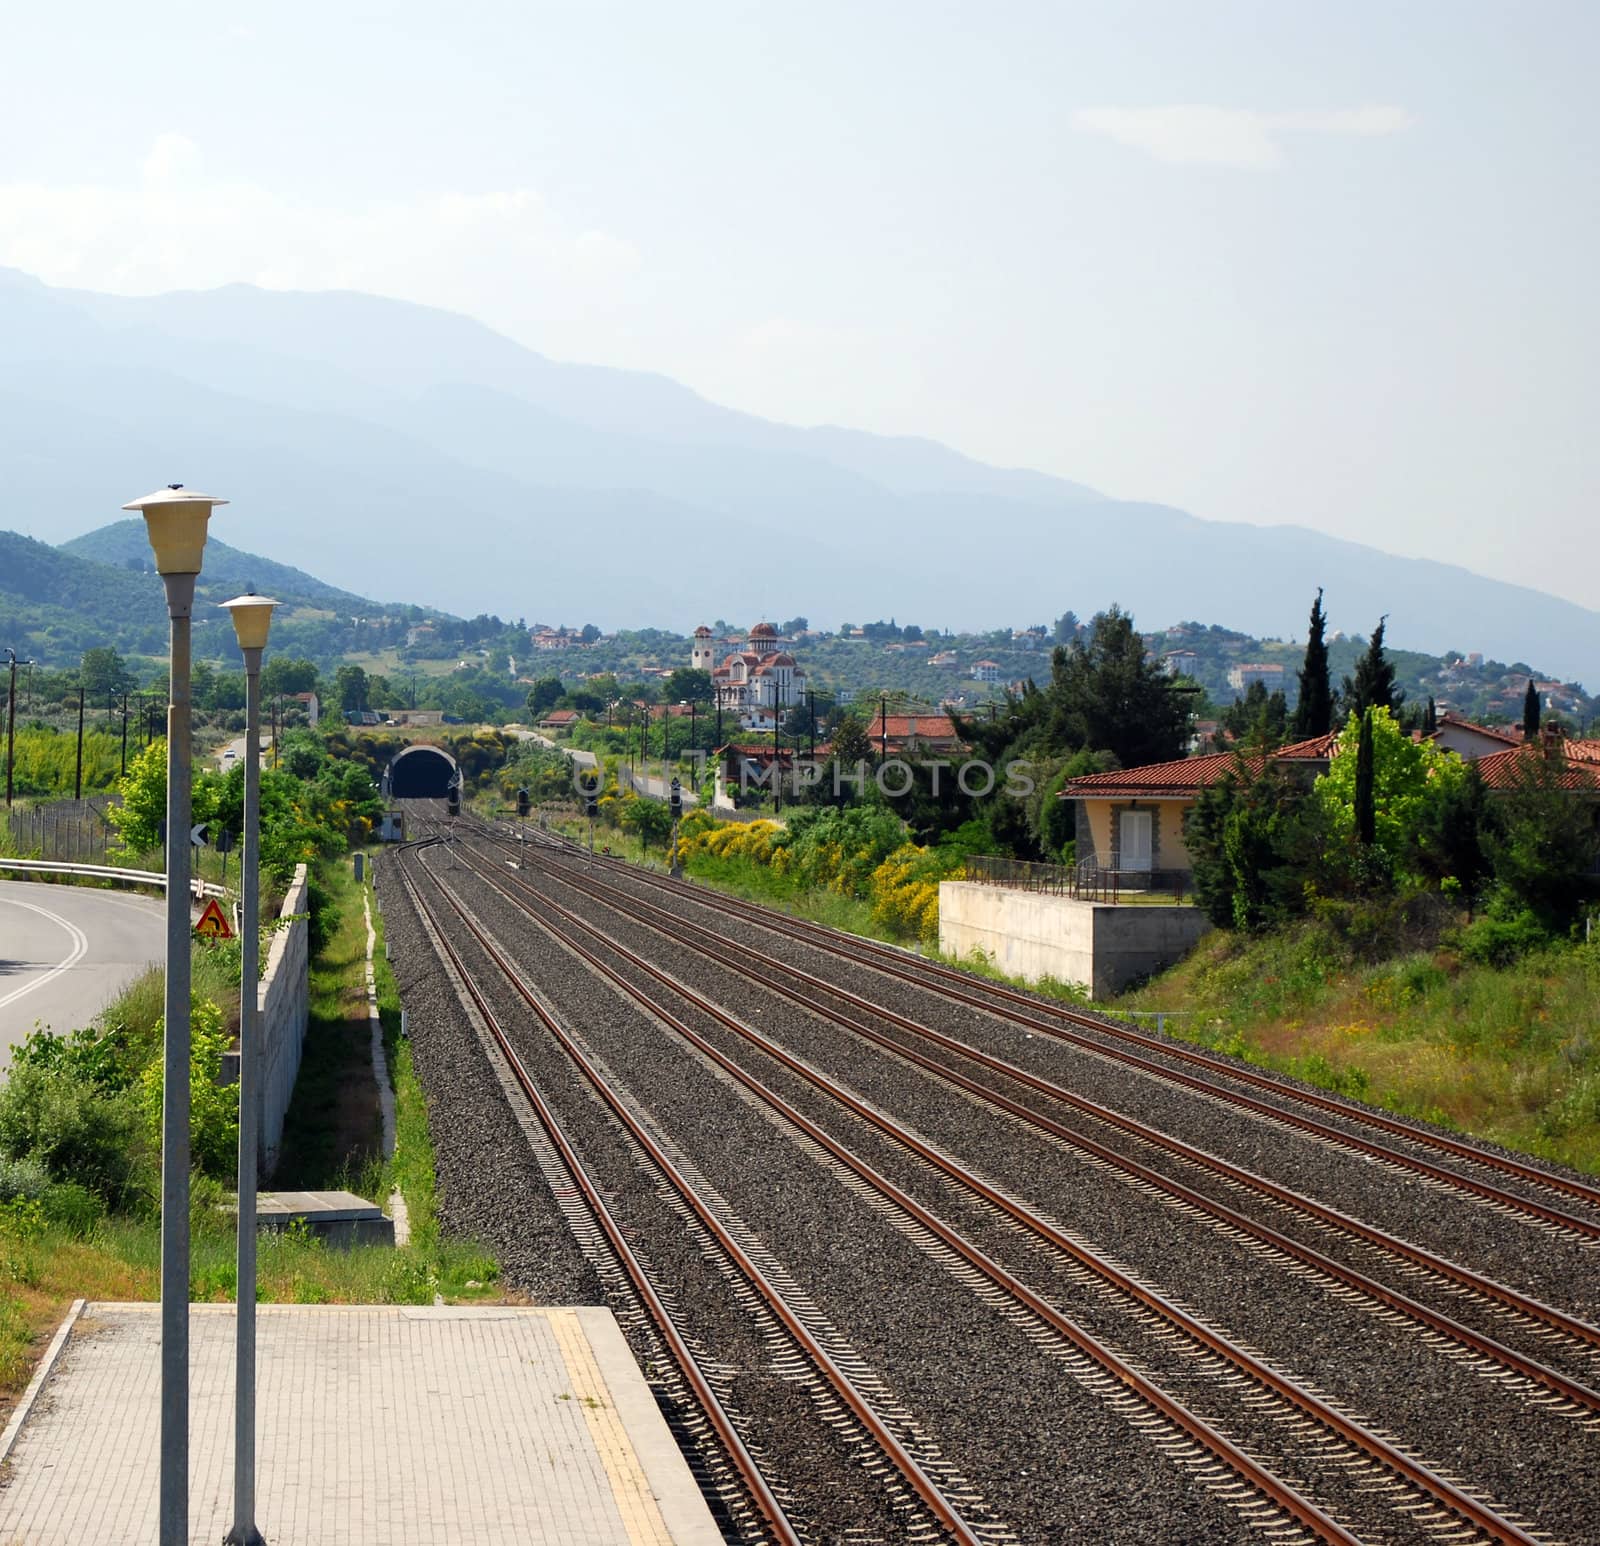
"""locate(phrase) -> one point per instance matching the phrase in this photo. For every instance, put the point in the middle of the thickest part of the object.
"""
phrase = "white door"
(1134, 845)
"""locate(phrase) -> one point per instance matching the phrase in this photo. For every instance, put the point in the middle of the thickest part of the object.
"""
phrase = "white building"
(1243, 676)
(760, 677)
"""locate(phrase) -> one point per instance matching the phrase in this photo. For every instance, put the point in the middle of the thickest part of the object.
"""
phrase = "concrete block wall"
(283, 1003)
(1033, 934)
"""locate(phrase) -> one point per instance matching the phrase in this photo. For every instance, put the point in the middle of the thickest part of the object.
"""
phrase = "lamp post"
(252, 618)
(175, 520)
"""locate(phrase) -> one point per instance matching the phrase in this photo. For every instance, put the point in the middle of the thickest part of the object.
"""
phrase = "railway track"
(1548, 1320)
(1200, 1070)
(1349, 1460)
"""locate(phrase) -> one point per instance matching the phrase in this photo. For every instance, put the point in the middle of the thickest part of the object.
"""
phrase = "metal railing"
(1019, 874)
(1084, 882)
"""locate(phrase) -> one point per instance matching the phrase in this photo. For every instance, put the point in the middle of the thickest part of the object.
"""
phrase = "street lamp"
(175, 521)
(252, 618)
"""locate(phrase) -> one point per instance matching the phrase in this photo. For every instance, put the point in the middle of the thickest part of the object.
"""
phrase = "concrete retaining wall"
(1032, 934)
(284, 1005)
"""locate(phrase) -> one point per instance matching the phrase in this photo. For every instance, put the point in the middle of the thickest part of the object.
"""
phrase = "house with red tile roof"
(896, 735)
(1131, 820)
(1470, 741)
(1579, 763)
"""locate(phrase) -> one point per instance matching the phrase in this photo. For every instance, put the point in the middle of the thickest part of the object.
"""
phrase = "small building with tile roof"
(1131, 820)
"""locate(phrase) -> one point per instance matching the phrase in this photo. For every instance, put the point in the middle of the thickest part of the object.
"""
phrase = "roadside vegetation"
(80, 1110)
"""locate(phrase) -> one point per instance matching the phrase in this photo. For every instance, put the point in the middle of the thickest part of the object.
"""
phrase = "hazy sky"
(1330, 263)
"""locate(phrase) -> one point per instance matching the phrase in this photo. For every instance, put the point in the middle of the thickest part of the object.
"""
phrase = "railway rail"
(1466, 1338)
(1107, 1037)
(1430, 1502)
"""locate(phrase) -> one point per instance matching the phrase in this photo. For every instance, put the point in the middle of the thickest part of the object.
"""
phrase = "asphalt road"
(65, 951)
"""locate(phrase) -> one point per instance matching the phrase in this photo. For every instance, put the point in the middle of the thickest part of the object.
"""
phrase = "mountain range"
(402, 450)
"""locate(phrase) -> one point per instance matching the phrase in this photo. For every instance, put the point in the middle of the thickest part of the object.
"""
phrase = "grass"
(332, 1137)
(1510, 1054)
(45, 1264)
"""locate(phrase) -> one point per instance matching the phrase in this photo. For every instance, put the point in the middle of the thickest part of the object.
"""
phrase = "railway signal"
(524, 804)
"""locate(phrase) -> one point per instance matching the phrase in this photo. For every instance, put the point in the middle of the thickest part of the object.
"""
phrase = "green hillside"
(101, 589)
(125, 545)
(53, 605)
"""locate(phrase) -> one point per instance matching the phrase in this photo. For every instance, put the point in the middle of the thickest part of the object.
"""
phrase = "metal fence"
(1084, 882)
(77, 831)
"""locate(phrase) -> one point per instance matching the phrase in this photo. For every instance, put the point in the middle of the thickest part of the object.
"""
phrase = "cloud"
(176, 226)
(1227, 136)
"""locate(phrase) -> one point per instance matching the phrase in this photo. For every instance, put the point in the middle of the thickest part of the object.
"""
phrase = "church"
(756, 683)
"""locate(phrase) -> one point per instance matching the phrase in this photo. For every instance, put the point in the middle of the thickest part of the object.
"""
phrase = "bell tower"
(700, 655)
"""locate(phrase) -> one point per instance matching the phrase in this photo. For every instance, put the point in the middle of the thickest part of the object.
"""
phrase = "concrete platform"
(340, 1218)
(377, 1424)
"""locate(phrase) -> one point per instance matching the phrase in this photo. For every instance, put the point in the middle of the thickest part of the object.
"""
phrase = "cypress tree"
(1366, 803)
(1530, 714)
(1373, 687)
(1430, 720)
(1313, 714)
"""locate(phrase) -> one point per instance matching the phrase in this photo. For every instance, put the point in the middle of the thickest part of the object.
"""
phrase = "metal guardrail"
(106, 872)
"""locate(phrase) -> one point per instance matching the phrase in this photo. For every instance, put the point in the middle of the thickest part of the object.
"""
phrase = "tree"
(1366, 813)
(287, 676)
(104, 674)
(1259, 718)
(350, 688)
(1252, 836)
(687, 685)
(1313, 714)
(544, 695)
(1105, 695)
(1407, 777)
(1448, 838)
(1066, 628)
(1544, 837)
(851, 743)
(144, 800)
(1374, 684)
(1430, 718)
(1530, 713)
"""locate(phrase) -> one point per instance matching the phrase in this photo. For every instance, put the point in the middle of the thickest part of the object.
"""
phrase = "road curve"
(65, 951)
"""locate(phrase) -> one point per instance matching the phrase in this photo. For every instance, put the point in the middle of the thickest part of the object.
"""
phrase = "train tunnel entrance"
(421, 773)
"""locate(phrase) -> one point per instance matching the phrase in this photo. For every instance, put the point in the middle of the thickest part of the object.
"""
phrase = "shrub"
(322, 920)
(79, 1131)
(25, 1177)
(1501, 940)
(213, 1107)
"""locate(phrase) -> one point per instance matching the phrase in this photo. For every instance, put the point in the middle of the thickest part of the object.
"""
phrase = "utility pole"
(124, 734)
(883, 724)
(811, 718)
(11, 717)
(77, 789)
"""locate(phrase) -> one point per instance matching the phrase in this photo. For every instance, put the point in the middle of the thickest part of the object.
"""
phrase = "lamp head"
(175, 520)
(252, 617)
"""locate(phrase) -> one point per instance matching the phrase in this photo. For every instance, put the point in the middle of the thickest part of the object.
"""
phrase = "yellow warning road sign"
(213, 923)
